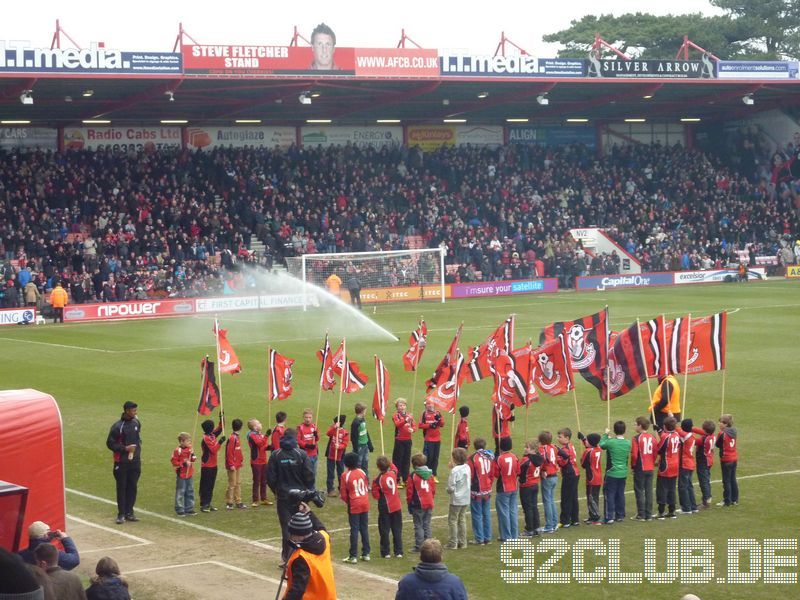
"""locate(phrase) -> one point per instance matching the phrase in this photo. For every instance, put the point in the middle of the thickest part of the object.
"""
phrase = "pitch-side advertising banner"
(684, 277)
(377, 137)
(612, 282)
(126, 139)
(401, 293)
(28, 138)
(793, 271)
(139, 309)
(227, 303)
(317, 60)
(18, 316)
(431, 137)
(22, 57)
(208, 138)
(503, 288)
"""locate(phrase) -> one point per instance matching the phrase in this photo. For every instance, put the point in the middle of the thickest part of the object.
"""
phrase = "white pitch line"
(141, 541)
(112, 548)
(225, 534)
(207, 562)
(26, 341)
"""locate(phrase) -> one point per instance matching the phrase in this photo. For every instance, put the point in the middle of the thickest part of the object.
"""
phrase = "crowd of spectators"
(121, 226)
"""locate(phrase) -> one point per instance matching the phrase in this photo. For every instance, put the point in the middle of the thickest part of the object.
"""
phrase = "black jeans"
(730, 488)
(431, 452)
(643, 490)
(665, 493)
(127, 476)
(704, 479)
(529, 497)
(593, 502)
(569, 500)
(401, 457)
(390, 522)
(208, 477)
(359, 525)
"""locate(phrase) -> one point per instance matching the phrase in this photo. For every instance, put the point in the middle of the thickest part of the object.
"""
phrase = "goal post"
(387, 276)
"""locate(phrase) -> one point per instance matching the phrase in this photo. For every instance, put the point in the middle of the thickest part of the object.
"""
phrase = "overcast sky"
(443, 24)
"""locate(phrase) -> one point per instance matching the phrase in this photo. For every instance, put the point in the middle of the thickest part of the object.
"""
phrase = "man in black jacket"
(125, 441)
(289, 468)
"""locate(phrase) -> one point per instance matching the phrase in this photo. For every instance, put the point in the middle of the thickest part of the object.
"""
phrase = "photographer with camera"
(40, 533)
(309, 569)
(291, 479)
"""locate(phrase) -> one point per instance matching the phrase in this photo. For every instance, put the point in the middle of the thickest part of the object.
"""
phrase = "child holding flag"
(390, 511)
(209, 447)
(431, 423)
(337, 444)
(183, 460)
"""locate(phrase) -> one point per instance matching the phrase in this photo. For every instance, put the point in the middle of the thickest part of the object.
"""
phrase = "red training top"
(643, 452)
(420, 492)
(338, 442)
(353, 489)
(403, 426)
(183, 461)
(308, 438)
(507, 470)
(431, 423)
(384, 490)
(233, 452)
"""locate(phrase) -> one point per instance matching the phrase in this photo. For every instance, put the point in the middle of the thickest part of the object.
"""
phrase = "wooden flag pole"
(646, 376)
(577, 414)
(341, 389)
(686, 363)
(269, 387)
(203, 375)
(608, 378)
(527, 414)
(383, 450)
(219, 368)
(453, 432)
(319, 393)
(722, 408)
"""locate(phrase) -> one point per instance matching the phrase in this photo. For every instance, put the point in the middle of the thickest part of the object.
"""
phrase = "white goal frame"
(359, 256)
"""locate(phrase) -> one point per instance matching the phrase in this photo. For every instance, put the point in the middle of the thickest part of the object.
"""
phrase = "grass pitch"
(91, 369)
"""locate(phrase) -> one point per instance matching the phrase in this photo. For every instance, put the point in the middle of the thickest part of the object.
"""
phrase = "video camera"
(316, 496)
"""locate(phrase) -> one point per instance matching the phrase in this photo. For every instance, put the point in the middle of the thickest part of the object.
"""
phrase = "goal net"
(391, 276)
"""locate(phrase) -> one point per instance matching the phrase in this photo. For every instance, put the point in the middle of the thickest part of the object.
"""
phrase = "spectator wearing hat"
(16, 580)
(124, 440)
(309, 569)
(430, 578)
(40, 533)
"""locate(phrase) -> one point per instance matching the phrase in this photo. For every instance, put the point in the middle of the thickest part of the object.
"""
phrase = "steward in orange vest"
(666, 400)
(309, 570)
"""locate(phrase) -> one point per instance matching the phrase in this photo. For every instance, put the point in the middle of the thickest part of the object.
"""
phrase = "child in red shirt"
(338, 438)
(669, 451)
(570, 477)
(686, 495)
(420, 491)
(209, 448)
(729, 459)
(481, 478)
(431, 423)
(354, 490)
(462, 431)
(259, 444)
(643, 456)
(183, 460)
(549, 474)
(705, 459)
(234, 459)
(390, 513)
(403, 428)
(590, 461)
(529, 475)
(308, 438)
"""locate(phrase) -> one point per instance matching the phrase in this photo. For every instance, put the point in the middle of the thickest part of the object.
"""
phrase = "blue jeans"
(184, 495)
(548, 486)
(686, 491)
(313, 461)
(479, 509)
(704, 479)
(363, 459)
(507, 518)
(614, 490)
(431, 452)
(730, 487)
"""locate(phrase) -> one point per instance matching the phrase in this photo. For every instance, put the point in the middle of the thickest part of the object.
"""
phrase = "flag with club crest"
(481, 356)
(445, 366)
(417, 342)
(445, 395)
(587, 343)
(352, 379)
(551, 367)
(228, 361)
(511, 375)
(706, 344)
(209, 392)
(327, 379)
(280, 376)
(626, 366)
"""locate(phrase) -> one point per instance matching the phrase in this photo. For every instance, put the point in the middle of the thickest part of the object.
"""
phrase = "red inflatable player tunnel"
(32, 456)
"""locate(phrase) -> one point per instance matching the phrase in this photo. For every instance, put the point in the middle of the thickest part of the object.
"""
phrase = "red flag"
(228, 361)
(524, 369)
(655, 356)
(417, 342)
(626, 367)
(676, 341)
(209, 392)
(707, 339)
(551, 367)
(444, 368)
(587, 342)
(381, 396)
(331, 365)
(481, 357)
(352, 378)
(280, 376)
(510, 387)
(445, 395)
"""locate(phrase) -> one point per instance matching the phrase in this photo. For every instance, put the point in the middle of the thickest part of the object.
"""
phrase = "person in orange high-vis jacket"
(58, 300)
(309, 570)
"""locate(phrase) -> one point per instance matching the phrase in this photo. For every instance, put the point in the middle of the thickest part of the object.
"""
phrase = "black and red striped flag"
(381, 396)
(448, 362)
(626, 367)
(327, 379)
(352, 379)
(445, 395)
(209, 392)
(280, 376)
(707, 340)
(481, 356)
(675, 334)
(587, 343)
(654, 346)
(417, 342)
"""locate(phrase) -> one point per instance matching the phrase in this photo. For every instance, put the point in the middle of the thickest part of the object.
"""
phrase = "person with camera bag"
(40, 533)
(289, 470)
(309, 568)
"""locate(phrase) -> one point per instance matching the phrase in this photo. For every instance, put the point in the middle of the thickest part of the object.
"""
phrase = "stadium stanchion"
(646, 376)
(686, 363)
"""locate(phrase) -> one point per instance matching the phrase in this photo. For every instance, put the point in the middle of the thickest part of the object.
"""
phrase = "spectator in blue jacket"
(430, 578)
(40, 533)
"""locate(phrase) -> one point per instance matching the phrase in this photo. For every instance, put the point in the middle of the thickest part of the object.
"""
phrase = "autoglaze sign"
(604, 282)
